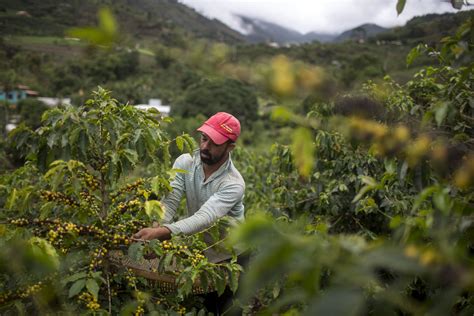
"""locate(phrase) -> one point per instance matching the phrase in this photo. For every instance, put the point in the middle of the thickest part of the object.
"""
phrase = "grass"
(44, 40)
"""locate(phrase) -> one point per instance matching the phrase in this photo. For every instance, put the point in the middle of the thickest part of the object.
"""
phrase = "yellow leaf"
(303, 149)
(154, 210)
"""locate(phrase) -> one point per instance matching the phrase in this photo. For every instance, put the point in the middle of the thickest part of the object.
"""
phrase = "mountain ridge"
(270, 32)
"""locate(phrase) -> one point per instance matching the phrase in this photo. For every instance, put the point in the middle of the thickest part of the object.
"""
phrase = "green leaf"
(368, 180)
(107, 21)
(131, 156)
(442, 201)
(281, 113)
(154, 210)
(220, 285)
(90, 34)
(180, 143)
(423, 196)
(11, 199)
(189, 142)
(303, 149)
(362, 192)
(77, 287)
(414, 53)
(457, 4)
(234, 279)
(93, 287)
(400, 6)
(167, 260)
(135, 251)
(43, 252)
(395, 222)
(441, 112)
(75, 277)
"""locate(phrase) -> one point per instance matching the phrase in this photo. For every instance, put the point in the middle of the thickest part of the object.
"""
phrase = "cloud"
(327, 16)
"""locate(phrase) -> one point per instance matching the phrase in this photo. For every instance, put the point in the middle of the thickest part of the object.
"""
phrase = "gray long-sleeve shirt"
(207, 201)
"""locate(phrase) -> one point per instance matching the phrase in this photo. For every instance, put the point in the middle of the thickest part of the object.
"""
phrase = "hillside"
(166, 20)
(169, 47)
(429, 28)
(362, 32)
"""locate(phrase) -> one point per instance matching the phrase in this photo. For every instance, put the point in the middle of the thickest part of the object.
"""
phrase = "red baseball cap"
(221, 127)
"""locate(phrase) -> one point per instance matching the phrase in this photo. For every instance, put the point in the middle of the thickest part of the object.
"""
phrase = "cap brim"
(214, 135)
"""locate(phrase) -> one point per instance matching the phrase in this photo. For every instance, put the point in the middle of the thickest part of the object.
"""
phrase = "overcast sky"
(327, 16)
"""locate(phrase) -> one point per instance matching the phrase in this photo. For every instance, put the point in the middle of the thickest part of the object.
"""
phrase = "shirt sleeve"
(217, 206)
(172, 200)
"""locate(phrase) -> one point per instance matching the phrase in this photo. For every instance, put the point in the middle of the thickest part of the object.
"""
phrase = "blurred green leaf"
(400, 6)
(42, 251)
(104, 35)
(107, 21)
(281, 114)
(441, 111)
(303, 149)
(337, 302)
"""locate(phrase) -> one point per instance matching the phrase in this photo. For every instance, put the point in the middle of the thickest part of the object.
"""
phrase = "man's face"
(212, 153)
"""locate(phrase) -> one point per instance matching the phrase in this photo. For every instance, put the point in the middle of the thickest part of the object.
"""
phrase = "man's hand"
(160, 233)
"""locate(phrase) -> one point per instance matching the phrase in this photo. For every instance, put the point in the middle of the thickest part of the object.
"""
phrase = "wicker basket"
(148, 269)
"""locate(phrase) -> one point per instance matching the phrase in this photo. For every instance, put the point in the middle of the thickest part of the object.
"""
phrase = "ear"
(230, 147)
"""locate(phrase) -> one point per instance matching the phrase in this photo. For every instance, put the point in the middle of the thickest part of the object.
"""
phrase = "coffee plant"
(74, 207)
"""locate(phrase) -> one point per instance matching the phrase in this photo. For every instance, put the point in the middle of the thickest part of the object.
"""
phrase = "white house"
(52, 102)
(155, 104)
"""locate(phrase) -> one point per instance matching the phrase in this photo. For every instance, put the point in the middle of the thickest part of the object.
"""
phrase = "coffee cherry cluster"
(55, 235)
(58, 197)
(19, 221)
(127, 189)
(89, 202)
(197, 257)
(97, 257)
(89, 180)
(168, 245)
(139, 311)
(131, 279)
(89, 300)
(181, 310)
(30, 290)
(133, 205)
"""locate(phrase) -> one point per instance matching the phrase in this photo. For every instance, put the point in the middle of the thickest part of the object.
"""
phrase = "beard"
(209, 159)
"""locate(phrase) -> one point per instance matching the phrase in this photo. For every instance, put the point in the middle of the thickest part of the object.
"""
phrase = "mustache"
(206, 152)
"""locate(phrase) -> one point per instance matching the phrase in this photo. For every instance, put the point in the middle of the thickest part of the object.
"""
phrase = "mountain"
(362, 32)
(263, 31)
(165, 20)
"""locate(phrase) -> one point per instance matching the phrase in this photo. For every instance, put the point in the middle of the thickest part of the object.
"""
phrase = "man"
(213, 186)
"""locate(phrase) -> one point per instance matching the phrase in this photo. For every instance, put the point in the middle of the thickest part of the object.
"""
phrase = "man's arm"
(217, 206)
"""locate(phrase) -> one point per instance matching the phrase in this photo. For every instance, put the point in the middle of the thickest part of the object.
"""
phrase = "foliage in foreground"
(373, 217)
